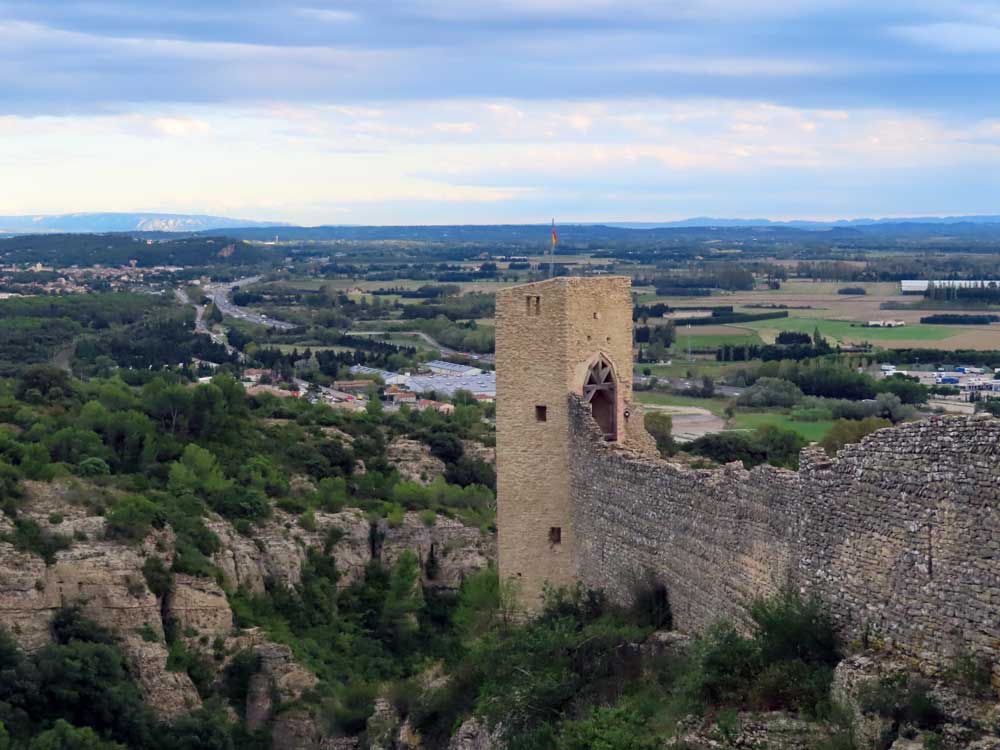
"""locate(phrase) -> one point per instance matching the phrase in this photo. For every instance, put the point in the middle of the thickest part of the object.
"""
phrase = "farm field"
(716, 406)
(712, 337)
(681, 367)
(852, 332)
(811, 431)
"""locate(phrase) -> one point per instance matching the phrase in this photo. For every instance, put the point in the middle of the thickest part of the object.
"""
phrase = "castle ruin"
(899, 535)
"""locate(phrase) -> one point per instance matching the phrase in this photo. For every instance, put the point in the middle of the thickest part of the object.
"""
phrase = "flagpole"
(552, 248)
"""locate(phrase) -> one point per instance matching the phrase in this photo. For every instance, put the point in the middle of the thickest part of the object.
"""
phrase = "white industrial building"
(389, 378)
(440, 367)
(919, 286)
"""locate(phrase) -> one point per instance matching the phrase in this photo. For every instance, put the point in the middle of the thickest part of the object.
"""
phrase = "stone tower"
(553, 338)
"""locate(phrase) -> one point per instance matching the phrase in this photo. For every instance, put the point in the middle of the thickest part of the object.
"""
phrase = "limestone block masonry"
(549, 335)
(899, 534)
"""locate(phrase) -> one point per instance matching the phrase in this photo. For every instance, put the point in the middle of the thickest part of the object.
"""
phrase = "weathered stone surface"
(280, 546)
(898, 535)
(200, 608)
(473, 734)
(382, 726)
(340, 743)
(661, 645)
(849, 678)
(414, 461)
(457, 550)
(171, 694)
(279, 680)
(774, 731)
(475, 449)
(104, 578)
(295, 730)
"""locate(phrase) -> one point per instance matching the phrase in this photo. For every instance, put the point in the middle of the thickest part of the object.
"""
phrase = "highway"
(199, 323)
(219, 293)
(446, 351)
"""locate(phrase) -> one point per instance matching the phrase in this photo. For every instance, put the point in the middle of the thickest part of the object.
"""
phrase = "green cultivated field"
(812, 431)
(843, 330)
(681, 367)
(712, 341)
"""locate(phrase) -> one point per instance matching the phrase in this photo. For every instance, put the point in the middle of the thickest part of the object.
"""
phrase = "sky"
(500, 111)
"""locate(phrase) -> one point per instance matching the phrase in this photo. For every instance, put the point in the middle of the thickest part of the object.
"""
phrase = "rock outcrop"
(104, 578)
(278, 680)
(448, 550)
(966, 721)
(414, 460)
(200, 609)
(473, 734)
(280, 546)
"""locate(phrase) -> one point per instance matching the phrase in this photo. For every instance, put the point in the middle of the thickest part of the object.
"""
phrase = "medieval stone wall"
(899, 534)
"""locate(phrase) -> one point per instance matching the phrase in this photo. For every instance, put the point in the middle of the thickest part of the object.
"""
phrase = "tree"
(403, 600)
(73, 445)
(846, 431)
(132, 518)
(47, 380)
(910, 390)
(197, 473)
(64, 736)
(169, 404)
(471, 470)
(445, 446)
(770, 392)
(660, 426)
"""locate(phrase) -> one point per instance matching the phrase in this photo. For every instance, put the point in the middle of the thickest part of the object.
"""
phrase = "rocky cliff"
(105, 579)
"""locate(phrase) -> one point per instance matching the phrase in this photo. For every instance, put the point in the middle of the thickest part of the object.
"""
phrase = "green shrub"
(792, 685)
(652, 604)
(618, 728)
(197, 666)
(159, 578)
(308, 521)
(93, 467)
(428, 517)
(28, 536)
(148, 633)
(973, 674)
(236, 678)
(132, 518)
(69, 625)
(790, 627)
(723, 666)
(64, 736)
(660, 426)
(395, 516)
(903, 698)
(351, 706)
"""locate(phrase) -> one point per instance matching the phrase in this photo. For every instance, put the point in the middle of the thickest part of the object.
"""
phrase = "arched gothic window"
(601, 391)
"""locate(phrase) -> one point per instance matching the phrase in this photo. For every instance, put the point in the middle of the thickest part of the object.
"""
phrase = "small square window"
(541, 413)
(597, 316)
(533, 305)
(555, 535)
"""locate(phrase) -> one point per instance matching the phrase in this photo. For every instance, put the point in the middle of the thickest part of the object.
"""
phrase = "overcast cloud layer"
(508, 110)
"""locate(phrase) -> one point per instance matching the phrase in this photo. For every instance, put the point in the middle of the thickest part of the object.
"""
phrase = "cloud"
(955, 37)
(424, 109)
(328, 15)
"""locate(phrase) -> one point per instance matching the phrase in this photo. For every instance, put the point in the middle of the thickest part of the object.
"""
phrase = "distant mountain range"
(192, 224)
(97, 223)
(708, 221)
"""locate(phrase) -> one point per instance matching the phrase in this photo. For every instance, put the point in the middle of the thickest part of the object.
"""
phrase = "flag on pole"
(555, 237)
